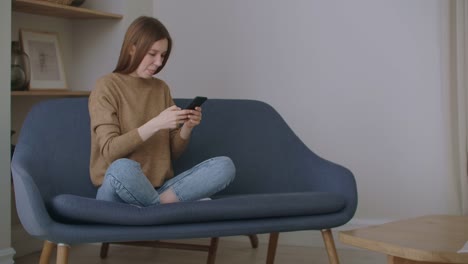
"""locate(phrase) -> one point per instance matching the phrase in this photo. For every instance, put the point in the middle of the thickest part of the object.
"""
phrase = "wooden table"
(433, 239)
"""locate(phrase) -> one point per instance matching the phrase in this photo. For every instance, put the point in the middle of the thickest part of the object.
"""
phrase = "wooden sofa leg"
(330, 246)
(272, 245)
(46, 252)
(212, 250)
(253, 241)
(104, 250)
(62, 253)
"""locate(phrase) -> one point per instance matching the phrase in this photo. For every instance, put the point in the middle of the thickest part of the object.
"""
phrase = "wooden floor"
(229, 252)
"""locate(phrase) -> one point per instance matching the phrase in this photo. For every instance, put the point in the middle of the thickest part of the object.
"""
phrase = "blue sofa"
(280, 185)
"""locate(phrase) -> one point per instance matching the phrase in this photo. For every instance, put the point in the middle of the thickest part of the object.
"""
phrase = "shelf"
(45, 8)
(51, 93)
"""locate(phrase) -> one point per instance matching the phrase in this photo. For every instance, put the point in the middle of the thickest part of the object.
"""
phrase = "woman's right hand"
(168, 119)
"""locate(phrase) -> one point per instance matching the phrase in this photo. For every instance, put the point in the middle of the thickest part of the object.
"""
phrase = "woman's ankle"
(168, 196)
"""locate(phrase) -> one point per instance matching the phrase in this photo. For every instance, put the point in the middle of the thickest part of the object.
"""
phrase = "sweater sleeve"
(178, 144)
(103, 110)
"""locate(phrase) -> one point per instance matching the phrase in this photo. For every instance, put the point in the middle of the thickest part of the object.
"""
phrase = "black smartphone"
(197, 101)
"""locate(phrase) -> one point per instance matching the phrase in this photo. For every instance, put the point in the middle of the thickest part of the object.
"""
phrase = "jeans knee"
(123, 168)
(227, 167)
(123, 162)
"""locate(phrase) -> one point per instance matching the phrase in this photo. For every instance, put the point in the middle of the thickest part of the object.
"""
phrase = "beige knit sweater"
(120, 104)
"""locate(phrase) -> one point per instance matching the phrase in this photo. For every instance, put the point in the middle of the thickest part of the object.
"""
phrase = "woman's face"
(152, 60)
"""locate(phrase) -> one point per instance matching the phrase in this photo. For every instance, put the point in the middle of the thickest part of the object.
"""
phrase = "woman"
(137, 130)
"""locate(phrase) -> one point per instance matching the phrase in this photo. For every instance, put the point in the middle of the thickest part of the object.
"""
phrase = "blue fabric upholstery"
(72, 208)
(280, 184)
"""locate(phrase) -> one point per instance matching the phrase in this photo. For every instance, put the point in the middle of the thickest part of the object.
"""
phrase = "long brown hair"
(141, 34)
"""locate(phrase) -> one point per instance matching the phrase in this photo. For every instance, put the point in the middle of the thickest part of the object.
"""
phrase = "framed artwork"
(45, 57)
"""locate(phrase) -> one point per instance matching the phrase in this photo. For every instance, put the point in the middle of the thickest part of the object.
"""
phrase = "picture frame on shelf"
(45, 56)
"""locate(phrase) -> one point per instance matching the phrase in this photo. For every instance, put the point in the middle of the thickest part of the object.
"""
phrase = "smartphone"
(197, 101)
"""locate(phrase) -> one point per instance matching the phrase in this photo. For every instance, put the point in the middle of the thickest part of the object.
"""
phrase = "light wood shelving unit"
(40, 7)
(66, 93)
(22, 101)
(45, 8)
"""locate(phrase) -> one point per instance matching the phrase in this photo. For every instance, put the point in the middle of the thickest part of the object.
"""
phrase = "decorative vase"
(20, 68)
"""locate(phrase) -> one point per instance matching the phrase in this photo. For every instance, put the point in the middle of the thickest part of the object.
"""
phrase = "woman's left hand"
(194, 118)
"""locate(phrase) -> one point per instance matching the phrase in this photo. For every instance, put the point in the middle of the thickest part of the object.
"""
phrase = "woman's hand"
(170, 118)
(194, 118)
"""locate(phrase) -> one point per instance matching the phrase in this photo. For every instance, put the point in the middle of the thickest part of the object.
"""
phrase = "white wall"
(6, 252)
(361, 82)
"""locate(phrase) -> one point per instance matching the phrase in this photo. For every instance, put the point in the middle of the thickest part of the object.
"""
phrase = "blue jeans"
(125, 182)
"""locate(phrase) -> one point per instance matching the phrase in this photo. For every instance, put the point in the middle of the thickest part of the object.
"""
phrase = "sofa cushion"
(67, 207)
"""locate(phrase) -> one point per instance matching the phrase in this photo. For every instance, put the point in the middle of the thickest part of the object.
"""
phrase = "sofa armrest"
(30, 206)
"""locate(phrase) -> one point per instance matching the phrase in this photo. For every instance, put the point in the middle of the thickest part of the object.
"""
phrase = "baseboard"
(6, 255)
(23, 243)
(313, 238)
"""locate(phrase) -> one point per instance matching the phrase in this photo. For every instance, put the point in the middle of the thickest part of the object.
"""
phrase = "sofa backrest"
(269, 157)
(54, 146)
